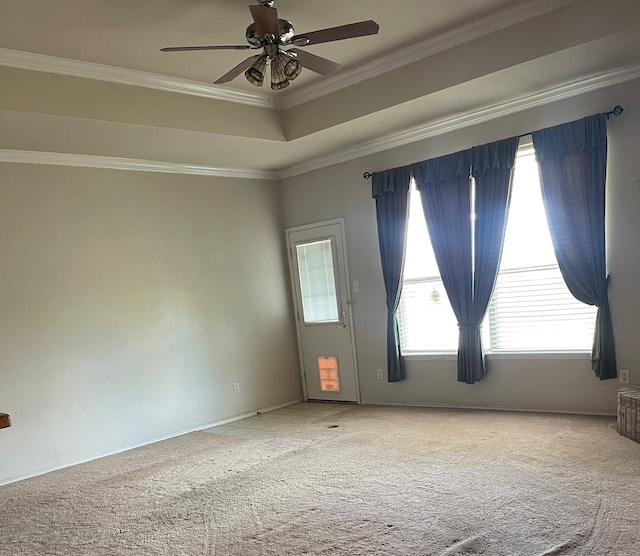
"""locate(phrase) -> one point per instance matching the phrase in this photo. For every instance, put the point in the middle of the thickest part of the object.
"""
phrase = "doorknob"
(343, 325)
(344, 313)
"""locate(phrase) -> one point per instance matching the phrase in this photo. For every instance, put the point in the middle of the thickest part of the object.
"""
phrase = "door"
(323, 311)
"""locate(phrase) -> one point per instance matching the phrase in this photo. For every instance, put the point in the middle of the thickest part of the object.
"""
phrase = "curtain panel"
(572, 159)
(445, 190)
(390, 189)
(466, 221)
(492, 169)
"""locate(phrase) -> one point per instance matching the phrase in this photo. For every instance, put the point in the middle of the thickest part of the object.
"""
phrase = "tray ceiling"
(103, 89)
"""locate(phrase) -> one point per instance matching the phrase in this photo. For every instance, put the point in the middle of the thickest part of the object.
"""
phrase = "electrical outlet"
(624, 376)
(236, 387)
(380, 376)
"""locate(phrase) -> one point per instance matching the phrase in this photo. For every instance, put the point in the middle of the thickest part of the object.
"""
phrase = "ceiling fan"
(272, 34)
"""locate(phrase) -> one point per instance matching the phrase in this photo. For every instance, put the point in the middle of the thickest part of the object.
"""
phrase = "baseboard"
(486, 408)
(238, 417)
(153, 441)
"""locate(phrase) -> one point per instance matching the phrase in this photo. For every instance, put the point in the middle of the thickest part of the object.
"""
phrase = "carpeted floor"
(385, 481)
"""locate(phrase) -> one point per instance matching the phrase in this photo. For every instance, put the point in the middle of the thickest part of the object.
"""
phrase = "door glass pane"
(329, 375)
(317, 281)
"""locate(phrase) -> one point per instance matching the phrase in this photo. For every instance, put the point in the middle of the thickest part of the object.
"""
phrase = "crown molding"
(123, 76)
(130, 164)
(462, 121)
(434, 45)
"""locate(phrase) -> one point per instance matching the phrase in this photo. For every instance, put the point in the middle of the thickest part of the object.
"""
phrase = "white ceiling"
(433, 62)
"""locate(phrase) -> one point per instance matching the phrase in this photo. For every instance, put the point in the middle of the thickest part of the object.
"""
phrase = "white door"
(323, 311)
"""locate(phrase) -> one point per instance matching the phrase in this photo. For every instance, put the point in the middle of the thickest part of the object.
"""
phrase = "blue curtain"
(492, 168)
(445, 189)
(390, 189)
(468, 249)
(573, 160)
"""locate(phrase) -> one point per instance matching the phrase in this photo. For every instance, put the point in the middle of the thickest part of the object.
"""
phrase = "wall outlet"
(624, 376)
(236, 387)
(380, 376)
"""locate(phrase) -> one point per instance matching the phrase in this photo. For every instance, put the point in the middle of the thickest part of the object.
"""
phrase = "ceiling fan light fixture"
(255, 74)
(292, 68)
(279, 80)
(273, 34)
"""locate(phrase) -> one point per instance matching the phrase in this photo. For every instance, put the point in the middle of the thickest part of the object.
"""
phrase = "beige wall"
(533, 383)
(130, 303)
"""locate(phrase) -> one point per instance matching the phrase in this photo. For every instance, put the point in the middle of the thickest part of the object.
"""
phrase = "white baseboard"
(243, 416)
(153, 441)
(488, 408)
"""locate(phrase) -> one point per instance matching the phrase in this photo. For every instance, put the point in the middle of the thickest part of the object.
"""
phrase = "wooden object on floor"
(629, 413)
(5, 421)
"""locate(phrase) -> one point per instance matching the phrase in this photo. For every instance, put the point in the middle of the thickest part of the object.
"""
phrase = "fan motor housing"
(285, 28)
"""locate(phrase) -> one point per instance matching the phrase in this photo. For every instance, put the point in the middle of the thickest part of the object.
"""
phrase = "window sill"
(514, 355)
(430, 356)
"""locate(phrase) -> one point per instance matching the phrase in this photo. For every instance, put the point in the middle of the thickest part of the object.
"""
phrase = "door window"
(317, 282)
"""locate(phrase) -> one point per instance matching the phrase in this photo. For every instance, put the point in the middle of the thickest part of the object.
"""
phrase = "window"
(531, 308)
(317, 282)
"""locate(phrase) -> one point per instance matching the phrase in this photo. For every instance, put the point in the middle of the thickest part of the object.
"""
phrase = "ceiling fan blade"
(233, 73)
(266, 20)
(360, 29)
(314, 63)
(221, 47)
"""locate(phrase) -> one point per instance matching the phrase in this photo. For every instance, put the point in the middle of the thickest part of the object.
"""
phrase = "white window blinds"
(317, 281)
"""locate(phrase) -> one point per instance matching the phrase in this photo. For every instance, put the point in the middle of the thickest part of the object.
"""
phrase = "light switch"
(356, 286)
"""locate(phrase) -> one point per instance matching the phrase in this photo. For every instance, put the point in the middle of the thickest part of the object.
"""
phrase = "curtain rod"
(615, 111)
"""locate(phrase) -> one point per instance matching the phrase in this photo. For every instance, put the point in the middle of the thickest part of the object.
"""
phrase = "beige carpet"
(385, 481)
